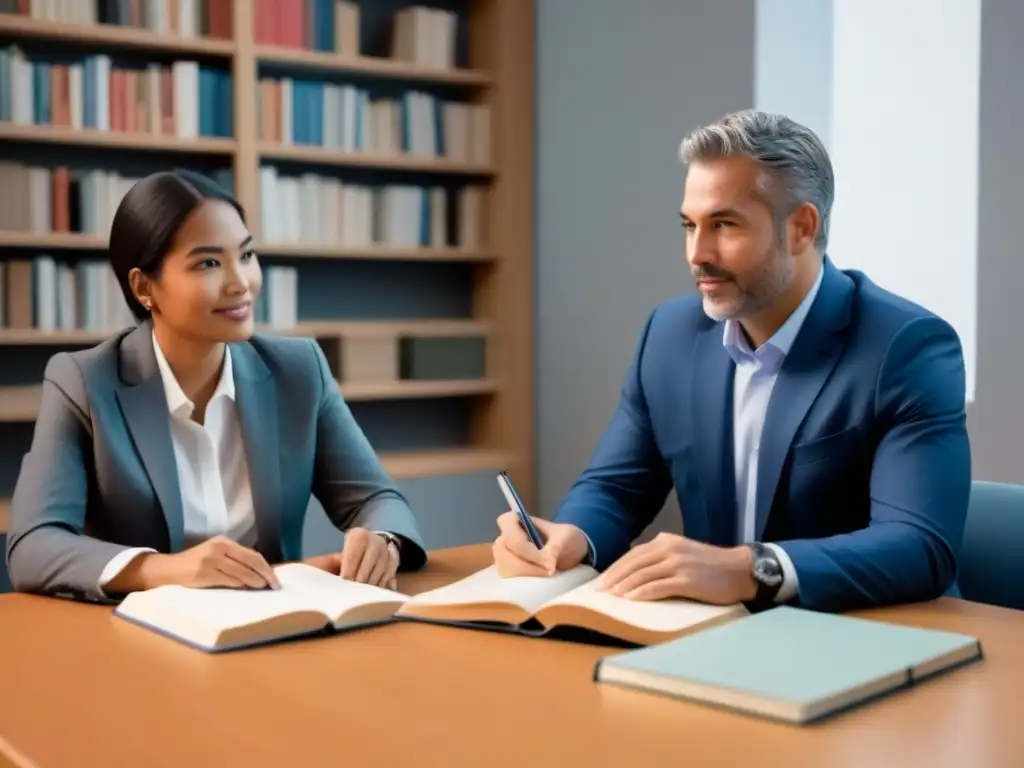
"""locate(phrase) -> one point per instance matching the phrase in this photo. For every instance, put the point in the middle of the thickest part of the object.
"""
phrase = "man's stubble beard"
(774, 275)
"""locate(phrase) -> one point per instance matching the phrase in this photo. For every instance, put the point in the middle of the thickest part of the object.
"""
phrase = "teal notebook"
(789, 663)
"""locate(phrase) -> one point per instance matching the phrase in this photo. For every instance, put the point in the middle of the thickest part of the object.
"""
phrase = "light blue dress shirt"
(754, 379)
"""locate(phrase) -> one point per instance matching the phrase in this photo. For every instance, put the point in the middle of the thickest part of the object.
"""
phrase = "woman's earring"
(148, 305)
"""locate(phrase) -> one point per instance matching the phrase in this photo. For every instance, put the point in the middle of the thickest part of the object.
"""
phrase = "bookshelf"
(433, 321)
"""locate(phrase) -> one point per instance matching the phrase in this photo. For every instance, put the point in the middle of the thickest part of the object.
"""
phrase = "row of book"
(61, 199)
(188, 100)
(187, 18)
(317, 210)
(347, 118)
(184, 99)
(420, 34)
(330, 26)
(47, 294)
(305, 209)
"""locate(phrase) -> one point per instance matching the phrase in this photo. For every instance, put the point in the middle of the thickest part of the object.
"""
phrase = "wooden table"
(80, 688)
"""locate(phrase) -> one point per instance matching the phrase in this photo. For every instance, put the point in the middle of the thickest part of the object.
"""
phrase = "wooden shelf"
(373, 253)
(456, 461)
(57, 240)
(318, 329)
(88, 137)
(14, 25)
(408, 390)
(21, 404)
(332, 156)
(79, 241)
(31, 337)
(367, 66)
(378, 328)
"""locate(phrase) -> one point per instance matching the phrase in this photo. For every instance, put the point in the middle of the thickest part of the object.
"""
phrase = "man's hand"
(365, 557)
(674, 566)
(565, 547)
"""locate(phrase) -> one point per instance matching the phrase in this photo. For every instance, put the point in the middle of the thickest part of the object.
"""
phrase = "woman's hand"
(217, 562)
(366, 557)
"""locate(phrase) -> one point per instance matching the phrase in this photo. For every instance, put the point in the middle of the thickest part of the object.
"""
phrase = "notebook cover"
(795, 655)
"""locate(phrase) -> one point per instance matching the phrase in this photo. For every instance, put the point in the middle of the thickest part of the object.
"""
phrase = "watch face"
(768, 571)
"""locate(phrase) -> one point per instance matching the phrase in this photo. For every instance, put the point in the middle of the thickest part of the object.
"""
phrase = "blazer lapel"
(256, 396)
(804, 371)
(711, 400)
(144, 407)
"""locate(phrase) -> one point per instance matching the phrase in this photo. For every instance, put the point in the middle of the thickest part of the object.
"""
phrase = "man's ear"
(803, 228)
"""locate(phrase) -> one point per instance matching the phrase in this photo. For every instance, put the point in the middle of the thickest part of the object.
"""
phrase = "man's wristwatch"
(767, 572)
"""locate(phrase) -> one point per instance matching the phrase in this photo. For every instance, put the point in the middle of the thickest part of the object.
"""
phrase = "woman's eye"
(248, 255)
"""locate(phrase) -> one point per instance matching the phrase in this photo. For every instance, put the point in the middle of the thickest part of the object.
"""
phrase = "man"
(812, 424)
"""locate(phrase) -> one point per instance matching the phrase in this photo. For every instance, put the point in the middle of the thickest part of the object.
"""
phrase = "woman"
(185, 450)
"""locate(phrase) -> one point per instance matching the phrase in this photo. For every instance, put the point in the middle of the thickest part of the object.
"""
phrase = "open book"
(312, 601)
(538, 605)
(309, 601)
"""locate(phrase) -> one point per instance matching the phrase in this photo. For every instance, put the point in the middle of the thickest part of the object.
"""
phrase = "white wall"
(793, 62)
(892, 89)
(905, 117)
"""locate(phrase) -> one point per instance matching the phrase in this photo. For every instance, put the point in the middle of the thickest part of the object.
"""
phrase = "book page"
(219, 608)
(670, 615)
(528, 593)
(332, 594)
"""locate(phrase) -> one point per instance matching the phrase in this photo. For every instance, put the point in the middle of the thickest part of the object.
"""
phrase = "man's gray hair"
(795, 165)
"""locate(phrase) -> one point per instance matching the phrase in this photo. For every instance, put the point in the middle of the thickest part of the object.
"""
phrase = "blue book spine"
(298, 112)
(424, 217)
(41, 92)
(6, 86)
(208, 107)
(89, 118)
(325, 25)
(226, 102)
(316, 113)
(439, 145)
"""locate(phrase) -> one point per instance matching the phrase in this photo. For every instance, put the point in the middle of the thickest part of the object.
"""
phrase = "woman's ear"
(141, 287)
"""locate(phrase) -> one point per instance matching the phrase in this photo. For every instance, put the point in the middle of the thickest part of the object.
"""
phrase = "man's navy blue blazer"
(864, 469)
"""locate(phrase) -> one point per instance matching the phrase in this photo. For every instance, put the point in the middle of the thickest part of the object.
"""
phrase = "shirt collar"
(177, 402)
(735, 341)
